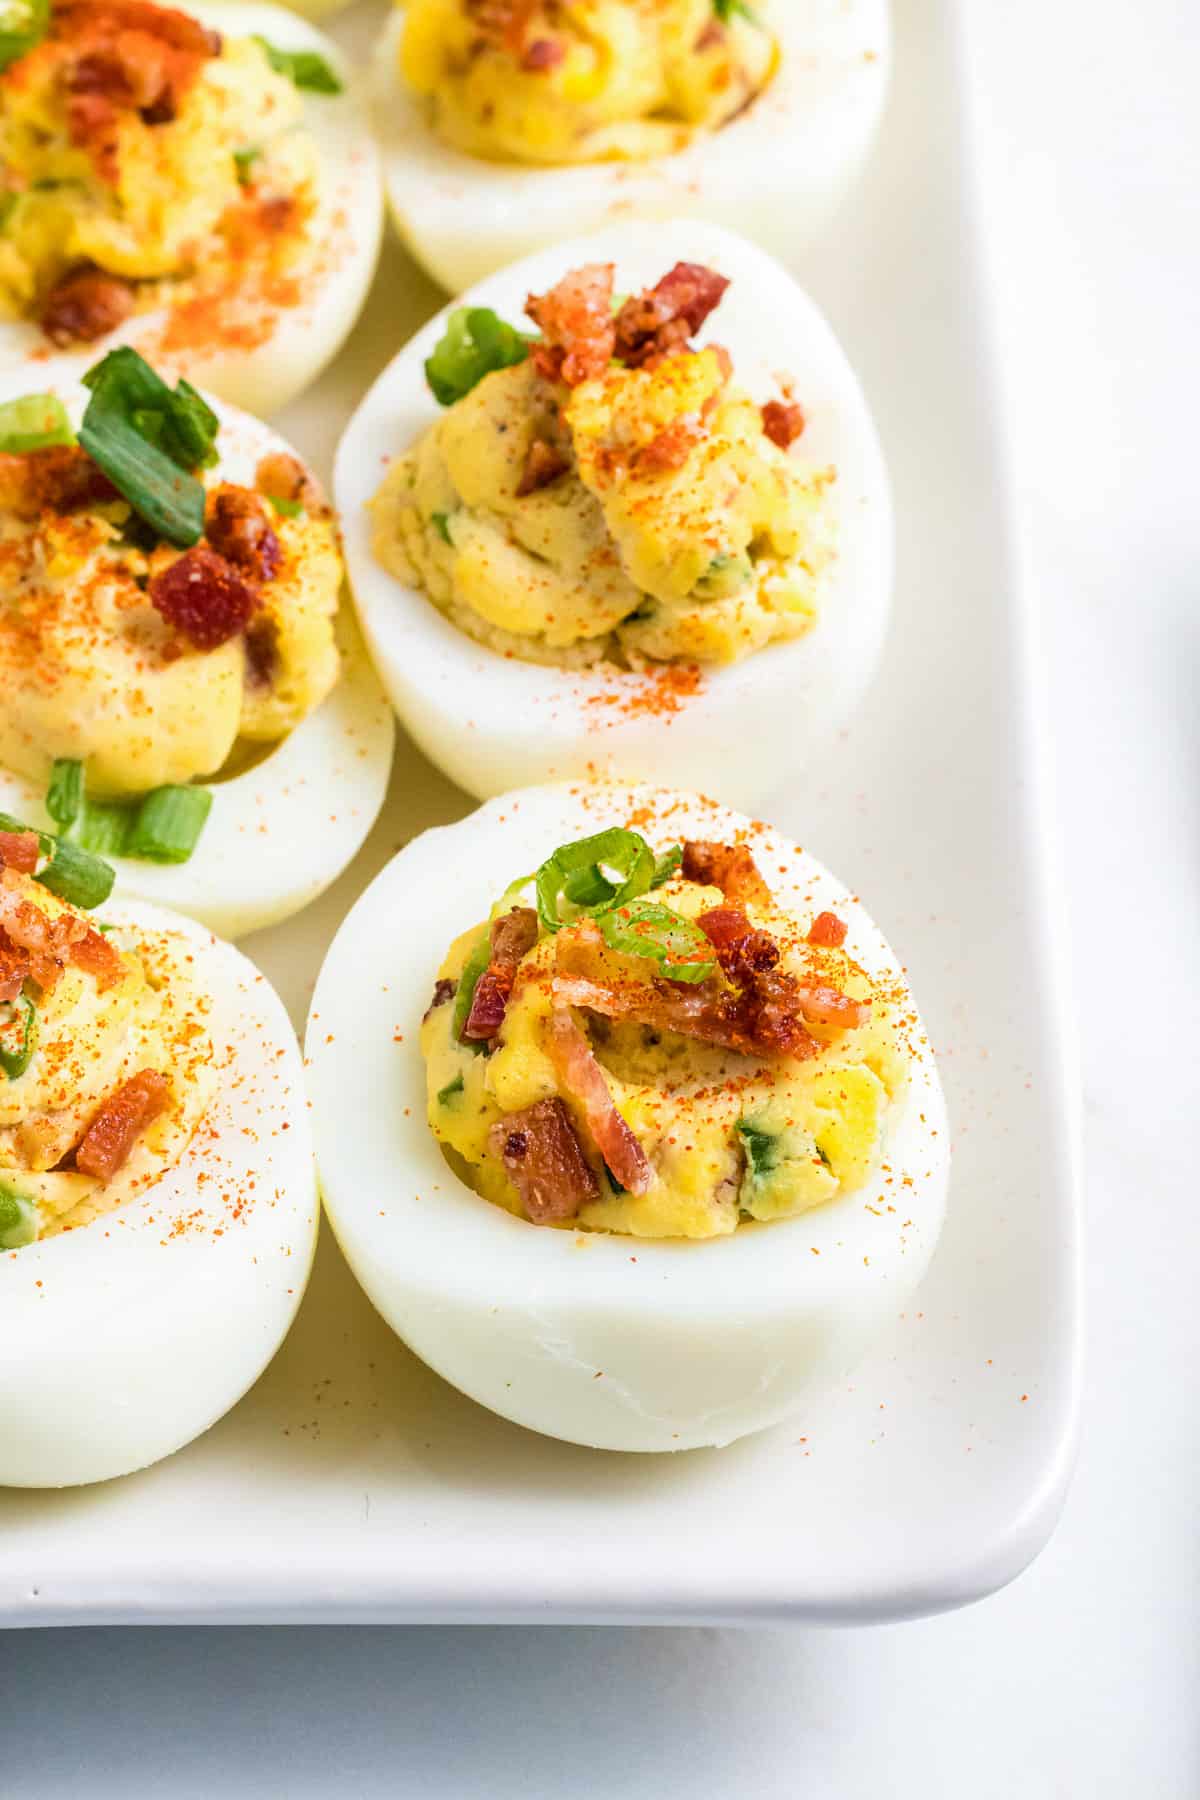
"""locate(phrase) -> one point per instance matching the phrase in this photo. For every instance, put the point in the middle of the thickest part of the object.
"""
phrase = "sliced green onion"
(451, 1088)
(468, 981)
(64, 796)
(725, 10)
(71, 873)
(613, 866)
(103, 826)
(441, 524)
(287, 509)
(305, 69)
(476, 342)
(667, 865)
(148, 438)
(19, 1222)
(761, 1146)
(167, 825)
(644, 928)
(23, 24)
(244, 161)
(34, 422)
(18, 1035)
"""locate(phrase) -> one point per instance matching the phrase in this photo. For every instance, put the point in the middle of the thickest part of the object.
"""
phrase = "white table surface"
(1081, 1679)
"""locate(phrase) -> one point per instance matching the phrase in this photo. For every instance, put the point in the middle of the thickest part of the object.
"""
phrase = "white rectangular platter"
(352, 1484)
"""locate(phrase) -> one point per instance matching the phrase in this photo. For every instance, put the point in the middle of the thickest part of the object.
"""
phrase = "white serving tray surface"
(352, 1484)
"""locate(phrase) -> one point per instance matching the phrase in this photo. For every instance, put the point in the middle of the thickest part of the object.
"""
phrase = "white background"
(1081, 1679)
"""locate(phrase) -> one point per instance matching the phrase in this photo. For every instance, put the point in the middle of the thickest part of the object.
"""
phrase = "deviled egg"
(655, 536)
(181, 692)
(506, 127)
(157, 1204)
(625, 1118)
(201, 184)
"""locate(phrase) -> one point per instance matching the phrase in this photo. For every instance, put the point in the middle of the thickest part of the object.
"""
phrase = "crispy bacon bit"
(827, 931)
(671, 448)
(443, 991)
(713, 34)
(503, 23)
(30, 939)
(203, 597)
(660, 321)
(238, 526)
(282, 476)
(576, 320)
(122, 57)
(545, 1163)
(783, 421)
(108, 1140)
(583, 1078)
(97, 957)
(829, 1006)
(14, 967)
(542, 55)
(730, 867)
(19, 850)
(543, 464)
(743, 951)
(85, 305)
(513, 935)
(53, 480)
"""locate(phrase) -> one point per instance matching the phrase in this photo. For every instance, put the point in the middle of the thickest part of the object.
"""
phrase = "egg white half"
(128, 1337)
(609, 1341)
(281, 831)
(776, 173)
(291, 343)
(494, 723)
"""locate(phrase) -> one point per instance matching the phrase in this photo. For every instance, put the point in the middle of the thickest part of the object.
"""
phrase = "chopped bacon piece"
(41, 945)
(542, 55)
(714, 33)
(730, 867)
(583, 1078)
(203, 597)
(575, 318)
(14, 967)
(828, 931)
(829, 1006)
(282, 476)
(540, 1150)
(743, 951)
(670, 449)
(87, 18)
(543, 464)
(783, 422)
(443, 991)
(513, 935)
(85, 305)
(707, 1011)
(19, 850)
(96, 956)
(661, 320)
(503, 23)
(105, 1146)
(238, 527)
(54, 480)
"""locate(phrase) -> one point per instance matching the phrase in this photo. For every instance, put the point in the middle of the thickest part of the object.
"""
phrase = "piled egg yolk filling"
(667, 1054)
(556, 82)
(144, 159)
(606, 492)
(105, 1062)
